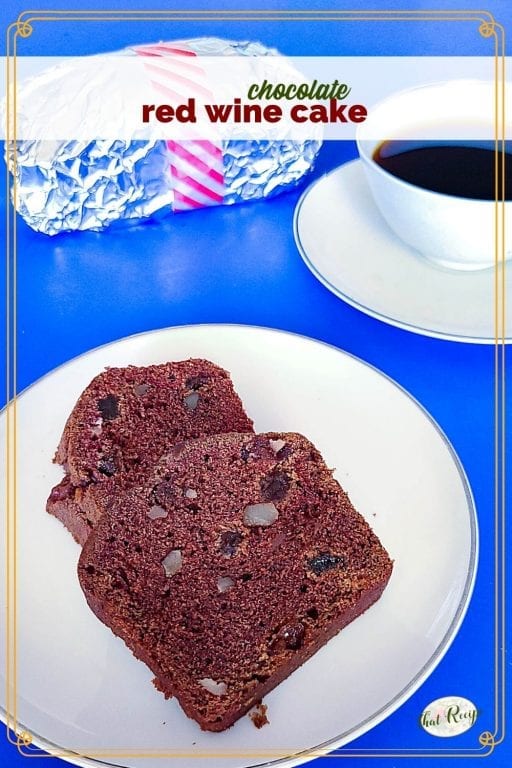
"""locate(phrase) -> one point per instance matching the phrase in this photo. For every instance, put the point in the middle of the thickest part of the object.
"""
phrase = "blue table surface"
(240, 264)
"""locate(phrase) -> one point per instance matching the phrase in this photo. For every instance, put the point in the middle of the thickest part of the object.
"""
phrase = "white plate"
(78, 685)
(348, 246)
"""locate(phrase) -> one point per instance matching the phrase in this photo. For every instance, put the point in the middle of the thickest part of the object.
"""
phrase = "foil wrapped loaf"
(73, 184)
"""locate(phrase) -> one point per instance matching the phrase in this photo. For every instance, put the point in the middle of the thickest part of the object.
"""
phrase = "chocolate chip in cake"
(191, 401)
(257, 448)
(274, 487)
(293, 636)
(109, 407)
(196, 382)
(163, 492)
(229, 542)
(324, 562)
(107, 466)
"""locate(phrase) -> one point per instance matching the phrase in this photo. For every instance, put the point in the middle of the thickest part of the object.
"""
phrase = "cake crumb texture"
(232, 564)
(125, 420)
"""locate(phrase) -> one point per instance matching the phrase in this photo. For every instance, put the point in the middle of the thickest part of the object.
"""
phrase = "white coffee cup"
(455, 232)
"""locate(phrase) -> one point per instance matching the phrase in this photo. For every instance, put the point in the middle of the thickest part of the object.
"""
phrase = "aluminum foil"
(62, 186)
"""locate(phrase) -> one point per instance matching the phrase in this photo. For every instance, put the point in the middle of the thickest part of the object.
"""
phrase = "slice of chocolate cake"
(125, 420)
(234, 564)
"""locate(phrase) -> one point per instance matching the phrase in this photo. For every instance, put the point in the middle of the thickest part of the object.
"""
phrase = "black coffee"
(466, 170)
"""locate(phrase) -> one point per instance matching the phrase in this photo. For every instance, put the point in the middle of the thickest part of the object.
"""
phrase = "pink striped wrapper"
(77, 185)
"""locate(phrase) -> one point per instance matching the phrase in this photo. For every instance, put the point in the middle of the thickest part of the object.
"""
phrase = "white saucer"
(348, 246)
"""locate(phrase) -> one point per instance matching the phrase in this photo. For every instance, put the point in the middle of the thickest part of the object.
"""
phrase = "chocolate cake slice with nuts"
(125, 420)
(237, 560)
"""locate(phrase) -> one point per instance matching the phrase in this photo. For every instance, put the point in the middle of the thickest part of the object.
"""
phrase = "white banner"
(150, 95)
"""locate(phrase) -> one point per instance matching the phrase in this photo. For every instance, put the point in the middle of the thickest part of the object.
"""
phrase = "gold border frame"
(488, 28)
